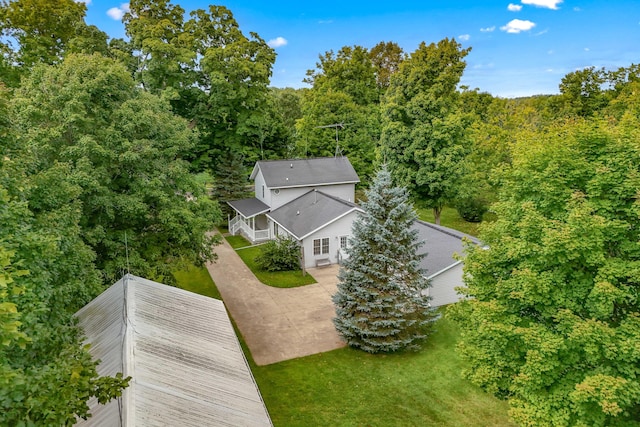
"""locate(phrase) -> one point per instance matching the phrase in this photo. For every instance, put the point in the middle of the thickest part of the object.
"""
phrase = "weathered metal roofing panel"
(180, 349)
(306, 172)
(249, 207)
(310, 212)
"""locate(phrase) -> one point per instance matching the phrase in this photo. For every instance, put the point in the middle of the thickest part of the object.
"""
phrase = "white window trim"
(321, 245)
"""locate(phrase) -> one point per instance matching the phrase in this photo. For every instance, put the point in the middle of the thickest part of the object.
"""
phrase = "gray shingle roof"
(249, 207)
(440, 245)
(310, 212)
(180, 349)
(306, 172)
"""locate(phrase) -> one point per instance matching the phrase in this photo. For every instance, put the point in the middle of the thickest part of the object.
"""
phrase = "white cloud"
(514, 7)
(277, 42)
(329, 21)
(516, 26)
(464, 37)
(488, 29)
(586, 49)
(549, 4)
(483, 66)
(118, 12)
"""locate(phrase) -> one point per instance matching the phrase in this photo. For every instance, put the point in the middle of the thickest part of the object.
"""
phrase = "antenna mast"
(335, 125)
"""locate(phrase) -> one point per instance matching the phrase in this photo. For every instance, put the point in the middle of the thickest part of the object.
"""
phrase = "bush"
(471, 208)
(279, 255)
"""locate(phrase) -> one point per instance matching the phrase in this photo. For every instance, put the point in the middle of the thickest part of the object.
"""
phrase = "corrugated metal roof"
(306, 172)
(441, 243)
(180, 349)
(310, 212)
(249, 207)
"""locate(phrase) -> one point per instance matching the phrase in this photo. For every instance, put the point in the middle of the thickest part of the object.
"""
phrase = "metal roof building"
(180, 349)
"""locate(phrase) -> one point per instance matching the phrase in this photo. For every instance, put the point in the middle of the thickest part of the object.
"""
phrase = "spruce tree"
(380, 303)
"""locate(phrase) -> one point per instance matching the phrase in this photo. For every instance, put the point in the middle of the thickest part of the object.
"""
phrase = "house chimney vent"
(291, 165)
(298, 213)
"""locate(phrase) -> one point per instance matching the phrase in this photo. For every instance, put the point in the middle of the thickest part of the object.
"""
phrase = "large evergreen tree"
(380, 303)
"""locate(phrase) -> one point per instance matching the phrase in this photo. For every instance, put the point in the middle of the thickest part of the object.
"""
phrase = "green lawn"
(198, 280)
(237, 241)
(452, 219)
(277, 279)
(348, 387)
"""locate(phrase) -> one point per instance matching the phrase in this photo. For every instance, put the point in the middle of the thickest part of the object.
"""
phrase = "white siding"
(443, 286)
(259, 184)
(333, 231)
(285, 195)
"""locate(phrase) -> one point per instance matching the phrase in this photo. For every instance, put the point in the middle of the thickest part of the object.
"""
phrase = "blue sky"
(519, 47)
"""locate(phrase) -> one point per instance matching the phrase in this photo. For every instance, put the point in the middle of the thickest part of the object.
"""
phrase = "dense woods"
(100, 141)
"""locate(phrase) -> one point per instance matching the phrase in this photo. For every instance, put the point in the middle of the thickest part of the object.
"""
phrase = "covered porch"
(250, 219)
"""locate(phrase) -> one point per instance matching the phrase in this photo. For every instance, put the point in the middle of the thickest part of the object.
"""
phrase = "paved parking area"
(277, 324)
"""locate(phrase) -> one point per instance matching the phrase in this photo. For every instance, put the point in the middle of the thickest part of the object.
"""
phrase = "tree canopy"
(423, 130)
(554, 320)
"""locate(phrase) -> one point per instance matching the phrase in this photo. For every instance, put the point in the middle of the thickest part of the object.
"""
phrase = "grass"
(198, 280)
(449, 217)
(237, 242)
(277, 279)
(348, 387)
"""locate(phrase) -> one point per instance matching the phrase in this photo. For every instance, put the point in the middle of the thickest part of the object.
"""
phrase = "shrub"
(471, 208)
(282, 254)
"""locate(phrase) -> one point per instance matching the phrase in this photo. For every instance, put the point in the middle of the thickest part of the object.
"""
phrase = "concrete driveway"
(277, 324)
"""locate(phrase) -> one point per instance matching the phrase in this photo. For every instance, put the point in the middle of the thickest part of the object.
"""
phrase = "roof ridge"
(339, 199)
(446, 230)
(299, 159)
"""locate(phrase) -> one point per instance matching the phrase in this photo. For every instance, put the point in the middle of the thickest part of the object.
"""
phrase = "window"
(343, 242)
(321, 246)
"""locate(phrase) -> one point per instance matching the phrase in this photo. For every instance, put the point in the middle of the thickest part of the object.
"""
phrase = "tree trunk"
(436, 214)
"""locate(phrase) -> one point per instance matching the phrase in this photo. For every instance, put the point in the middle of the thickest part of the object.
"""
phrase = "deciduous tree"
(553, 323)
(123, 151)
(423, 130)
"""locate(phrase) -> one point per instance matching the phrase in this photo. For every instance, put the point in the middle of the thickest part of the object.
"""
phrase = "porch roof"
(249, 208)
(311, 212)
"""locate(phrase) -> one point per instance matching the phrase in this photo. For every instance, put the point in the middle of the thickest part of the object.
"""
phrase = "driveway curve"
(277, 324)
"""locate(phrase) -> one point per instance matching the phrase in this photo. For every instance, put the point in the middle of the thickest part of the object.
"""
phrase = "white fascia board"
(331, 222)
(284, 228)
(313, 185)
(254, 171)
(443, 270)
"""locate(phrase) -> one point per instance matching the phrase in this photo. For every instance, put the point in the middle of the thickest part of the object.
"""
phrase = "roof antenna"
(126, 249)
(335, 125)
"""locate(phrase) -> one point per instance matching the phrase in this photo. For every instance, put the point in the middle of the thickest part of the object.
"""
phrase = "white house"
(186, 365)
(309, 200)
(312, 201)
